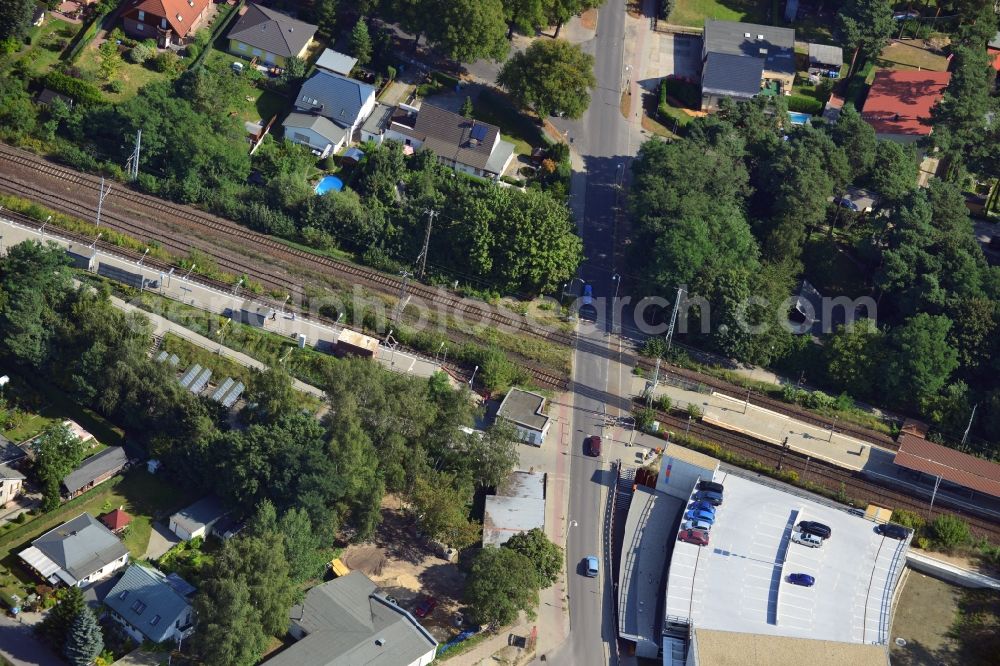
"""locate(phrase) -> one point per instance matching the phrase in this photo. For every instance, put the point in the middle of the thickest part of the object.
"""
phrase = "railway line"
(854, 484)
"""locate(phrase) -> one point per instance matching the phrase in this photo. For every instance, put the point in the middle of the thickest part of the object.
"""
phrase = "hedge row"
(804, 104)
(220, 25)
(83, 37)
(80, 91)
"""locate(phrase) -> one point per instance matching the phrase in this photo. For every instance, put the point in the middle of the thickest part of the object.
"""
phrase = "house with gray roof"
(270, 36)
(346, 622)
(198, 519)
(151, 606)
(95, 470)
(344, 101)
(526, 410)
(315, 132)
(734, 53)
(78, 552)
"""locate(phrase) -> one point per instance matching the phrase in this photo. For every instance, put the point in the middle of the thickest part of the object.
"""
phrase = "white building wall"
(9, 489)
(677, 477)
(105, 571)
(529, 435)
(313, 140)
(425, 659)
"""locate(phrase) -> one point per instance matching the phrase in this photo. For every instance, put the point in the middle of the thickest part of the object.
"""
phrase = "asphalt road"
(601, 138)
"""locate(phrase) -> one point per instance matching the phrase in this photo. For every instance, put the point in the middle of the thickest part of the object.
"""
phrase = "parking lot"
(739, 582)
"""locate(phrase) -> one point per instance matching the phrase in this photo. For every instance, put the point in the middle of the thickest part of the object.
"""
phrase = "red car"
(425, 606)
(594, 445)
(697, 537)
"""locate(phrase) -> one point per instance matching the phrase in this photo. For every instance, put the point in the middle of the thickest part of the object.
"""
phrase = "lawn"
(133, 77)
(42, 404)
(694, 12)
(912, 54)
(47, 42)
(251, 103)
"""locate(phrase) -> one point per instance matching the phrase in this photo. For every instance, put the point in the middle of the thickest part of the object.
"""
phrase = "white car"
(696, 525)
(806, 539)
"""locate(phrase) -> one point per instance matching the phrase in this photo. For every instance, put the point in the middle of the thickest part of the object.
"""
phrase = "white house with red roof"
(166, 21)
(899, 103)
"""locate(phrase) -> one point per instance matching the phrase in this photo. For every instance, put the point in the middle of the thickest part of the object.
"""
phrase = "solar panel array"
(173, 360)
(233, 395)
(190, 375)
(201, 382)
(162, 357)
(223, 389)
(478, 132)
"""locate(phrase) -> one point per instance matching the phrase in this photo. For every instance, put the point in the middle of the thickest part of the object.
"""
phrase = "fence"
(87, 33)
(221, 24)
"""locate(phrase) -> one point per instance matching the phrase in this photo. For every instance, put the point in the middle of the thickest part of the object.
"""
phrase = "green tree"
(442, 509)
(857, 138)
(229, 632)
(467, 109)
(919, 359)
(325, 17)
(959, 118)
(467, 30)
(272, 396)
(950, 532)
(302, 546)
(15, 18)
(84, 640)
(501, 584)
(59, 453)
(34, 281)
(561, 11)
(111, 60)
(54, 629)
(550, 76)
(361, 42)
(854, 356)
(526, 16)
(894, 170)
(546, 556)
(866, 27)
(493, 455)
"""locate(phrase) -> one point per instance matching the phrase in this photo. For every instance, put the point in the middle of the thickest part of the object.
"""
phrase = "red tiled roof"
(961, 468)
(116, 520)
(180, 14)
(994, 55)
(900, 101)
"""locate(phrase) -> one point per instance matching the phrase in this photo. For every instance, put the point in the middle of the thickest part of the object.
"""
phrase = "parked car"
(591, 566)
(696, 525)
(425, 606)
(697, 537)
(806, 539)
(805, 580)
(812, 527)
(893, 531)
(594, 445)
(588, 295)
(699, 514)
(703, 506)
(712, 497)
(711, 486)
(856, 512)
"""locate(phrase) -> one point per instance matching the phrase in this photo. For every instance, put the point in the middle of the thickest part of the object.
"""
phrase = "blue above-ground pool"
(328, 183)
(799, 118)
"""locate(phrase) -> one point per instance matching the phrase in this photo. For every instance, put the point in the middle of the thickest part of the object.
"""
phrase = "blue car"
(713, 498)
(592, 566)
(703, 506)
(699, 514)
(805, 580)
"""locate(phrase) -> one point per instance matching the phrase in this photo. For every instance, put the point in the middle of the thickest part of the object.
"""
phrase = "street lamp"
(473, 376)
(139, 263)
(287, 298)
(42, 229)
(94, 244)
(614, 302)
(193, 266)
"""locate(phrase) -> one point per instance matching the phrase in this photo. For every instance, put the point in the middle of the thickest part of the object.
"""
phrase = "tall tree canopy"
(550, 76)
(866, 26)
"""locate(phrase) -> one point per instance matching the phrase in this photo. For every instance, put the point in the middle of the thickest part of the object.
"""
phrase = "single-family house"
(743, 60)
(374, 128)
(167, 21)
(345, 101)
(94, 471)
(463, 144)
(270, 36)
(116, 520)
(518, 506)
(899, 103)
(151, 605)
(78, 552)
(336, 62)
(198, 519)
(526, 411)
(315, 132)
(347, 621)
(11, 484)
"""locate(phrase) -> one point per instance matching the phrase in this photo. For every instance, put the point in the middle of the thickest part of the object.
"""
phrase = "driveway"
(161, 539)
(678, 55)
(19, 645)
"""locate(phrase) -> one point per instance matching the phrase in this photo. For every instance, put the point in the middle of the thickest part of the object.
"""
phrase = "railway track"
(855, 485)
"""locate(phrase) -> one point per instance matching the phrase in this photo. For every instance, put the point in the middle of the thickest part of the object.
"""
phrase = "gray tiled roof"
(344, 618)
(449, 136)
(110, 459)
(732, 74)
(337, 97)
(7, 472)
(81, 546)
(336, 62)
(205, 511)
(322, 126)
(777, 45)
(272, 31)
(156, 598)
(826, 55)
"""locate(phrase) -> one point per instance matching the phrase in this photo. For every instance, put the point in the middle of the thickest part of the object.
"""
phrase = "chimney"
(380, 642)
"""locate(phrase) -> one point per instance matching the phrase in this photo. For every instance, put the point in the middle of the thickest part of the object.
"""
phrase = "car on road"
(594, 445)
(703, 506)
(713, 498)
(591, 566)
(698, 514)
(812, 527)
(697, 537)
(588, 295)
(893, 531)
(696, 525)
(806, 539)
(805, 580)
(844, 202)
(425, 606)
(711, 486)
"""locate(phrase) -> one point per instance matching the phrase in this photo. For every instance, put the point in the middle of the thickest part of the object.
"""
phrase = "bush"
(643, 419)
(685, 92)
(166, 62)
(138, 54)
(818, 400)
(664, 403)
(116, 86)
(909, 519)
(950, 532)
(694, 411)
(804, 104)
(654, 347)
(192, 51)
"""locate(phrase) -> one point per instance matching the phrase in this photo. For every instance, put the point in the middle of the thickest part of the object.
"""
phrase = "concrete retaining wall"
(949, 572)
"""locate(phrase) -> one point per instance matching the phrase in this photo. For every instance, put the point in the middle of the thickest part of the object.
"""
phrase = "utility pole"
(132, 166)
(100, 200)
(969, 427)
(673, 318)
(401, 305)
(422, 259)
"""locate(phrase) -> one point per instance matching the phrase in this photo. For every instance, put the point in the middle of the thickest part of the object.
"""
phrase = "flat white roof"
(738, 583)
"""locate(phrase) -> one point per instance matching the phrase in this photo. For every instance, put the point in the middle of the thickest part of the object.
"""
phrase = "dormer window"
(746, 35)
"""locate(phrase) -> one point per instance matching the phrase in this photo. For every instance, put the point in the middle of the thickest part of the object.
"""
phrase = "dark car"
(819, 529)
(425, 606)
(805, 580)
(594, 445)
(893, 531)
(697, 537)
(710, 486)
(713, 498)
